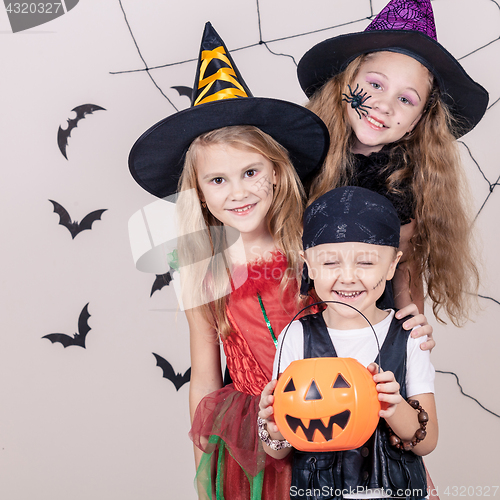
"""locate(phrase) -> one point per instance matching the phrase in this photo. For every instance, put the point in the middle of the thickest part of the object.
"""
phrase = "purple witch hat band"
(406, 27)
(406, 15)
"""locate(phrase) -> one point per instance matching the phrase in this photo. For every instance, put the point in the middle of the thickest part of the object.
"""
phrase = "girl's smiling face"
(237, 186)
(399, 87)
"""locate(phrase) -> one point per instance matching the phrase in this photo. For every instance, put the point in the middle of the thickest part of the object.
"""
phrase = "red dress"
(225, 422)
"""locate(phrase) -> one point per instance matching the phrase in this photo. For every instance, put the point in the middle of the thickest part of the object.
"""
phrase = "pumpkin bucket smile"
(317, 424)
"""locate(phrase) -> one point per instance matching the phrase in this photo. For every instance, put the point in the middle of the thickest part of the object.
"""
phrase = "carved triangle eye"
(290, 386)
(313, 392)
(341, 383)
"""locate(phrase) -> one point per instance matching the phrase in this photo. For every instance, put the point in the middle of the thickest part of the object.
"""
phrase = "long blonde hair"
(208, 283)
(442, 242)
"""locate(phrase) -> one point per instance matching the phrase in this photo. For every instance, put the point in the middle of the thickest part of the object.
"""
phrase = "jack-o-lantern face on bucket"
(326, 404)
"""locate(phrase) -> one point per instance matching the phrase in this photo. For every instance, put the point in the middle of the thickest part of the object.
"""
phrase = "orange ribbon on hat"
(224, 74)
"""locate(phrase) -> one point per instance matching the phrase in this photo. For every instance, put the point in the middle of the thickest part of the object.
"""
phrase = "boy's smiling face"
(354, 274)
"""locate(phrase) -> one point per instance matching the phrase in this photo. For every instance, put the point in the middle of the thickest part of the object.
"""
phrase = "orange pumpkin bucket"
(326, 404)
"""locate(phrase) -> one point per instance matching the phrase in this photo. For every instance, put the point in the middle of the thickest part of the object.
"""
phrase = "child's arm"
(206, 373)
(419, 322)
(402, 418)
(409, 292)
(285, 354)
(266, 413)
(406, 288)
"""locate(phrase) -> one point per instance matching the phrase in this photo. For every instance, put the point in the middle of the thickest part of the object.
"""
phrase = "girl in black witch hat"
(394, 101)
(236, 162)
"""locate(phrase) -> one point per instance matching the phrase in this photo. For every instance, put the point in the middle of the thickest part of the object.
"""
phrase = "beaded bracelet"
(420, 434)
(274, 444)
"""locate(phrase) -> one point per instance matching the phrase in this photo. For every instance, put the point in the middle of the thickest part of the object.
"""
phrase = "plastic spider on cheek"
(357, 100)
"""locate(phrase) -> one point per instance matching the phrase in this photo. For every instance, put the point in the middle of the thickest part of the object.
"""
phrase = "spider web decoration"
(387, 18)
(467, 395)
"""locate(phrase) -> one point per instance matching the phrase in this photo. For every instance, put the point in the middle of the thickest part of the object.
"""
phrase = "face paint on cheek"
(264, 185)
(378, 284)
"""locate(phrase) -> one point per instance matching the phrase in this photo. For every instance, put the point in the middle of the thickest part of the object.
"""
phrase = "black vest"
(376, 464)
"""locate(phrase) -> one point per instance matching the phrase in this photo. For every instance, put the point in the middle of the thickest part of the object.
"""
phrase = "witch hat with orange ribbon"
(406, 27)
(220, 99)
(217, 76)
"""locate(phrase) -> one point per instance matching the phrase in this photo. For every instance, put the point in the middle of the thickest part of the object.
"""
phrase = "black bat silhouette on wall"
(79, 338)
(75, 227)
(168, 372)
(161, 281)
(187, 91)
(81, 112)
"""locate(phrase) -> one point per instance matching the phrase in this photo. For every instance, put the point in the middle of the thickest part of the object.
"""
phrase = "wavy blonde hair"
(208, 283)
(441, 245)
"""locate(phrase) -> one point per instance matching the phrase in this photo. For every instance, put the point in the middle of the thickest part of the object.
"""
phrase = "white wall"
(101, 423)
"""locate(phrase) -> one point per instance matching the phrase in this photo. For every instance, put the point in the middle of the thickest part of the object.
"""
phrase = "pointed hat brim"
(157, 158)
(466, 99)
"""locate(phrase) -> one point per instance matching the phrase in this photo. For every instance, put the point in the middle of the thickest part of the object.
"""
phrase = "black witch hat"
(222, 99)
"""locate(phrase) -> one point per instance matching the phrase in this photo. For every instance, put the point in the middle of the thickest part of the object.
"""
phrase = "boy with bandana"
(350, 241)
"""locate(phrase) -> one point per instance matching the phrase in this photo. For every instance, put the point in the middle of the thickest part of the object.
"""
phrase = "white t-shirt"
(361, 345)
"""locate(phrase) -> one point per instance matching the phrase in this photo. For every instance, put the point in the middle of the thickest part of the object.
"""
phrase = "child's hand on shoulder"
(388, 389)
(266, 409)
(419, 322)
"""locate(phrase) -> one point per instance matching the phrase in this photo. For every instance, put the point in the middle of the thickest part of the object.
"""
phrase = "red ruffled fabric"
(250, 348)
(231, 412)
(228, 413)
